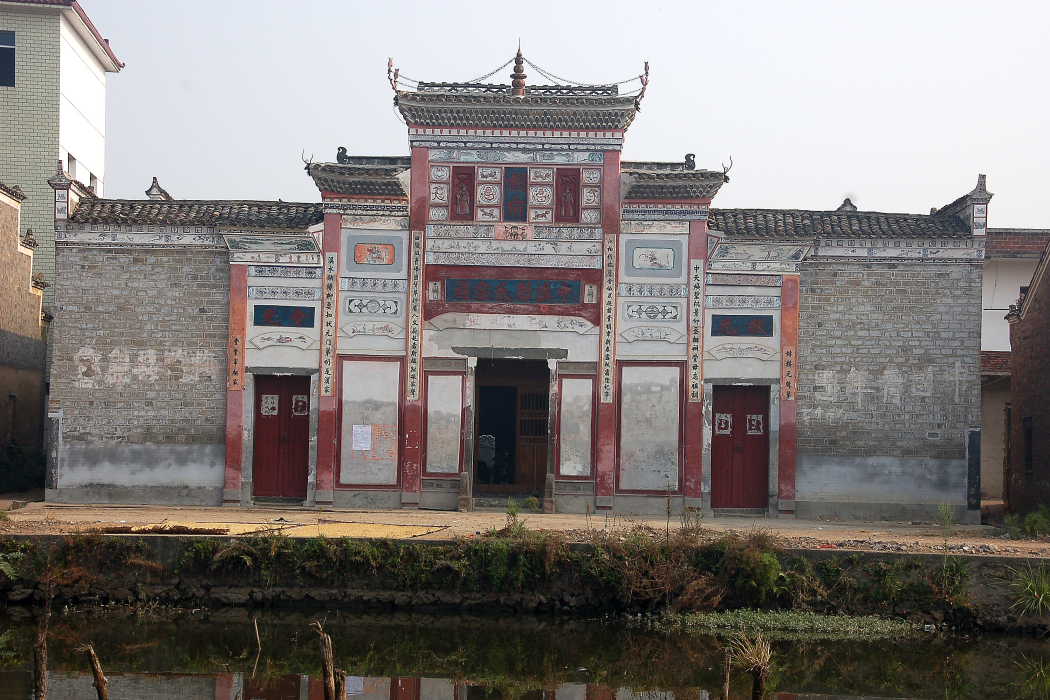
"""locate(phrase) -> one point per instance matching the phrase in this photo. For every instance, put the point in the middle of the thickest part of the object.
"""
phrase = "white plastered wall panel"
(82, 110)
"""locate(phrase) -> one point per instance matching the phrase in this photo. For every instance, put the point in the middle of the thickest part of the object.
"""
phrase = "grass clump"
(784, 625)
(1036, 524)
(1033, 590)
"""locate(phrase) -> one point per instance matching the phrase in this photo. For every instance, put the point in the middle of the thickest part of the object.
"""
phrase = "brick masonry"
(22, 338)
(29, 121)
(889, 358)
(1016, 242)
(1030, 382)
(139, 372)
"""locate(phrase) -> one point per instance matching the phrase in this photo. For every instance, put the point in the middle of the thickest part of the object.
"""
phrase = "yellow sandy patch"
(205, 528)
(361, 530)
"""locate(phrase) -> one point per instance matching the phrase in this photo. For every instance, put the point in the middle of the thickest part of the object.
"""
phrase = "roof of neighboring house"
(102, 43)
(372, 176)
(795, 223)
(542, 107)
(1035, 287)
(1016, 242)
(995, 363)
(199, 212)
(14, 193)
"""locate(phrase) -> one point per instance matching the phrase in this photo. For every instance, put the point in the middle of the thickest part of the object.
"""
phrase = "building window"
(7, 59)
(71, 166)
(93, 184)
(1027, 425)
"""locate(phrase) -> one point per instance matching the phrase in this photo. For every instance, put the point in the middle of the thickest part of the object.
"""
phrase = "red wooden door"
(282, 436)
(740, 447)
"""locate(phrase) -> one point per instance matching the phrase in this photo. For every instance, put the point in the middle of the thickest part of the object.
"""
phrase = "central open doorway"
(513, 406)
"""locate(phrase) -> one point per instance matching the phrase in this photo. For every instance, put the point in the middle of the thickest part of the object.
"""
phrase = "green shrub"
(1037, 523)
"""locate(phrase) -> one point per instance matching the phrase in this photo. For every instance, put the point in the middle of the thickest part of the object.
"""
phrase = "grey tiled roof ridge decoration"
(500, 89)
(374, 176)
(801, 224)
(498, 110)
(14, 193)
(200, 212)
(673, 184)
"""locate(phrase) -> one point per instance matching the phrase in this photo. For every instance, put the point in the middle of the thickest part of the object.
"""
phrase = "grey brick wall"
(139, 373)
(889, 362)
(29, 120)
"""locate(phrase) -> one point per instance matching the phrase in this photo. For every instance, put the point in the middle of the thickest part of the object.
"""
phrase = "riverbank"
(631, 570)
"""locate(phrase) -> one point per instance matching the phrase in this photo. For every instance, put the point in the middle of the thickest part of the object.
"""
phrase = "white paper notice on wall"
(362, 437)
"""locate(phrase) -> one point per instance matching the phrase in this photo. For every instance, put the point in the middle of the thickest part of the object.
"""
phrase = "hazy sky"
(898, 105)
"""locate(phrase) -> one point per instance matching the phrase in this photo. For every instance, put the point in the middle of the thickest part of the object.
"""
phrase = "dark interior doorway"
(512, 410)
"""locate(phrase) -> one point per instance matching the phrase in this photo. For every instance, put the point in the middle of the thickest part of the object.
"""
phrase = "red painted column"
(605, 454)
(694, 409)
(411, 454)
(788, 383)
(328, 404)
(235, 384)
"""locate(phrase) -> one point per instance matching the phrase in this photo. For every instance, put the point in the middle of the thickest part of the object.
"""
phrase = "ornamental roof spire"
(517, 82)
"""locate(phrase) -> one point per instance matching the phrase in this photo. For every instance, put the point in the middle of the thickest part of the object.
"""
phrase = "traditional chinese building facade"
(514, 309)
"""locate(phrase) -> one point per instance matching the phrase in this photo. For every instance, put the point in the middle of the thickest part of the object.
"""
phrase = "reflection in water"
(423, 657)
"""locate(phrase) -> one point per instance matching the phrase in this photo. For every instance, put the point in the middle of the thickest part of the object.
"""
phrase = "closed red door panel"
(739, 447)
(282, 436)
(266, 471)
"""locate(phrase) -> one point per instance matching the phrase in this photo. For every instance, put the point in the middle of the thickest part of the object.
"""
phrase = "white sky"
(898, 105)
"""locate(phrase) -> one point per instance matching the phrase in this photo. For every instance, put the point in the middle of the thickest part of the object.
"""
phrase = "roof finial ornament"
(392, 73)
(158, 193)
(644, 78)
(517, 82)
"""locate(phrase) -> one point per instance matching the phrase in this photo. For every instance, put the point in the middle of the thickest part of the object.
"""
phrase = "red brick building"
(1028, 418)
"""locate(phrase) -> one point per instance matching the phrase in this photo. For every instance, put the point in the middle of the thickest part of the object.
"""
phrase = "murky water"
(214, 655)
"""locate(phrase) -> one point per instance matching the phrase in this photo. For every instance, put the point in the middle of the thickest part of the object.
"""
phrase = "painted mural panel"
(649, 433)
(653, 258)
(373, 254)
(577, 402)
(368, 451)
(444, 422)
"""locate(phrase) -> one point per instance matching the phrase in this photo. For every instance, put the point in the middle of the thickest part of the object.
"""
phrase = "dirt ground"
(48, 518)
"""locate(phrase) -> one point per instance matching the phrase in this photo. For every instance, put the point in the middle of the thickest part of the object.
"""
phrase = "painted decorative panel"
(374, 254)
(652, 312)
(439, 213)
(371, 284)
(289, 316)
(746, 280)
(444, 423)
(446, 155)
(294, 293)
(757, 257)
(488, 174)
(591, 216)
(355, 328)
(514, 194)
(280, 271)
(592, 176)
(489, 194)
(678, 227)
(462, 204)
(284, 340)
(567, 195)
(592, 262)
(592, 196)
(488, 213)
(513, 291)
(649, 432)
(756, 351)
(368, 450)
(541, 216)
(439, 193)
(741, 301)
(652, 290)
(512, 322)
(541, 195)
(742, 325)
(515, 232)
(275, 244)
(525, 247)
(541, 175)
(576, 415)
(440, 172)
(653, 258)
(667, 334)
(374, 306)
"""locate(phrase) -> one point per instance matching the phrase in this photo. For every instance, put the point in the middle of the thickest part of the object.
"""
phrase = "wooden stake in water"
(40, 658)
(96, 671)
(327, 663)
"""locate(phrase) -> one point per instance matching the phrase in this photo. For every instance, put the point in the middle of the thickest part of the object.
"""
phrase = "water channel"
(213, 654)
